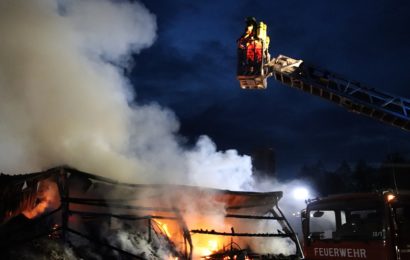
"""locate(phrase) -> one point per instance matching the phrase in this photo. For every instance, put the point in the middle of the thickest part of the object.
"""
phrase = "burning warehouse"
(93, 217)
(65, 100)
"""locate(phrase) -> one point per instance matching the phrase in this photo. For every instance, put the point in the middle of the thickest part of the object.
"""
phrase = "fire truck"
(358, 226)
(372, 226)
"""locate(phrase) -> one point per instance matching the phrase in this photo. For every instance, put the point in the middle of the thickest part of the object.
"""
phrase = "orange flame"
(47, 197)
(164, 228)
(207, 245)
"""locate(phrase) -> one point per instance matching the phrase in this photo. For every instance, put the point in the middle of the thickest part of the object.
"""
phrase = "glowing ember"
(54, 234)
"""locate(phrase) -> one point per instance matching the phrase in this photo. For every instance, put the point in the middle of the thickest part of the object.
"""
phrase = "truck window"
(354, 222)
(363, 224)
(322, 224)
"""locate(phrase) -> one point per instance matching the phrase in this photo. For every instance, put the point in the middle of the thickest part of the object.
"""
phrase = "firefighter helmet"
(250, 20)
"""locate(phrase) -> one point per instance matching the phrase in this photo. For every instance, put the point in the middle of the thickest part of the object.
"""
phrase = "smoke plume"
(65, 100)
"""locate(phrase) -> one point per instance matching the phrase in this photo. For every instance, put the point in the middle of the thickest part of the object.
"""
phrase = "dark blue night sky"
(191, 70)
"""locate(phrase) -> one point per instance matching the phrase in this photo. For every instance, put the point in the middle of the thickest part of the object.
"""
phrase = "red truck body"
(374, 226)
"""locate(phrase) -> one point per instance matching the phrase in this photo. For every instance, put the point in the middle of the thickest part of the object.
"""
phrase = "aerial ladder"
(255, 66)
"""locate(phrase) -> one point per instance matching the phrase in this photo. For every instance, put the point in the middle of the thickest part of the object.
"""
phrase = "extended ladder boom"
(351, 95)
(255, 66)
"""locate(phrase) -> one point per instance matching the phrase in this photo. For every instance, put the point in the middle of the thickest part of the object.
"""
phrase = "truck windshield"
(356, 221)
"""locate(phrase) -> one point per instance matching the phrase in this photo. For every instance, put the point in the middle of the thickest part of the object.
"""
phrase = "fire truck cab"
(374, 226)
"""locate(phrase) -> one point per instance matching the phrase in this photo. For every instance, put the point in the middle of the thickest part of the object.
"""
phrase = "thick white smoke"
(65, 101)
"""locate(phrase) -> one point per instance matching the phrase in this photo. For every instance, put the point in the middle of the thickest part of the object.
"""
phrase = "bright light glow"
(213, 245)
(300, 193)
(207, 245)
(390, 197)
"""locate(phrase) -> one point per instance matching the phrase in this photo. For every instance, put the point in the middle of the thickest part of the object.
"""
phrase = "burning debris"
(78, 210)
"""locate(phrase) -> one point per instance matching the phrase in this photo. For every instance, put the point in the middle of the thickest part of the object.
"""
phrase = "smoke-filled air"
(65, 101)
